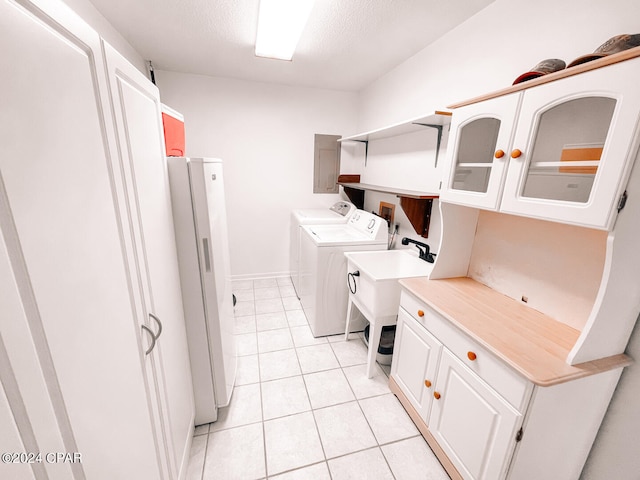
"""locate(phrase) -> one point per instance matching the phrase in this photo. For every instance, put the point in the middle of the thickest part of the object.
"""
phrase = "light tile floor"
(302, 407)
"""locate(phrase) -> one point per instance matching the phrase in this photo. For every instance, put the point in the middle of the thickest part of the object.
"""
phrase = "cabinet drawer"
(503, 379)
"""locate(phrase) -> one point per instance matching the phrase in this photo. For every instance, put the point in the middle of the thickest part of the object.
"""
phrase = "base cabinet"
(483, 419)
(415, 362)
(472, 423)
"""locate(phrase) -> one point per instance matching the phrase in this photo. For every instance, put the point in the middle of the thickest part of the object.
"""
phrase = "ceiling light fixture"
(280, 25)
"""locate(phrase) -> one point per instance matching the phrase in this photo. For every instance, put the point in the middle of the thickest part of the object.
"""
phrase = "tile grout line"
(262, 423)
(369, 424)
(363, 414)
(204, 457)
(312, 409)
(315, 421)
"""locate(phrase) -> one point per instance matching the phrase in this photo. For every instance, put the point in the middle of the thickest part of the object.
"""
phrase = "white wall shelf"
(416, 205)
(436, 120)
(393, 191)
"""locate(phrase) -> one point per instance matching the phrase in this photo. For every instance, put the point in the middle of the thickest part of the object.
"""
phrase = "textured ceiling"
(346, 44)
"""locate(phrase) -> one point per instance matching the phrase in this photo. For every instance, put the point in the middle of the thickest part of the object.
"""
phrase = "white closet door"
(11, 444)
(57, 190)
(141, 143)
(22, 376)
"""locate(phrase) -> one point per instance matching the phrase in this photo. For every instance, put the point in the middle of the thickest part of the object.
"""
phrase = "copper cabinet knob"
(436, 395)
(421, 313)
(471, 356)
(427, 383)
(499, 154)
(516, 153)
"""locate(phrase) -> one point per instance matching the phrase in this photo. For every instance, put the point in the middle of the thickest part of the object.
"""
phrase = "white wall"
(93, 17)
(265, 135)
(487, 53)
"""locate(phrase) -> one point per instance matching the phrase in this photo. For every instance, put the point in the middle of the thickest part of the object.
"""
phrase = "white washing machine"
(339, 212)
(323, 268)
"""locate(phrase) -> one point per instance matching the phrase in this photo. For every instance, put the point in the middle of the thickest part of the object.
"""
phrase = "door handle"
(159, 323)
(153, 339)
(154, 336)
(207, 258)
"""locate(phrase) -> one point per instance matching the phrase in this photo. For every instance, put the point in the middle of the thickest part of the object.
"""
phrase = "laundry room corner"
(264, 133)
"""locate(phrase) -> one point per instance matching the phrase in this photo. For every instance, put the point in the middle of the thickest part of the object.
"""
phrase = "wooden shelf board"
(409, 126)
(394, 191)
(532, 343)
(551, 77)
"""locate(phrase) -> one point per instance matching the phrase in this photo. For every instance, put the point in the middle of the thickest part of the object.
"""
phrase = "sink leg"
(349, 312)
(375, 331)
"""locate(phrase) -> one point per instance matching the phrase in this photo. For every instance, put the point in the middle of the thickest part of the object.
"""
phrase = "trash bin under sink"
(385, 350)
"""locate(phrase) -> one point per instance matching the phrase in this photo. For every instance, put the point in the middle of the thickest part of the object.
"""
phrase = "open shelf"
(394, 191)
(434, 120)
(437, 118)
(416, 205)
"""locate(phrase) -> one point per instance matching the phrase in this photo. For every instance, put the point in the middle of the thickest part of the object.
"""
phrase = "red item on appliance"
(173, 124)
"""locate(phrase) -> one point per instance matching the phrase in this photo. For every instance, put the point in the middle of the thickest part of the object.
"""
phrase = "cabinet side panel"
(456, 241)
(618, 303)
(561, 426)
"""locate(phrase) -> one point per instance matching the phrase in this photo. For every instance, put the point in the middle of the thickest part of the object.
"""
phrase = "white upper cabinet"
(476, 164)
(559, 151)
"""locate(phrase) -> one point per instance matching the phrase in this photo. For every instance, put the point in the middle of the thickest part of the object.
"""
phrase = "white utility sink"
(389, 264)
(374, 289)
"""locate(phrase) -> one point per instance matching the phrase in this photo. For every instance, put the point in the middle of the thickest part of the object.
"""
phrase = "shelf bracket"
(418, 211)
(366, 149)
(439, 141)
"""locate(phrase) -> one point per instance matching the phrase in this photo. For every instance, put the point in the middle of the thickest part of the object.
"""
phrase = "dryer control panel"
(373, 226)
(343, 208)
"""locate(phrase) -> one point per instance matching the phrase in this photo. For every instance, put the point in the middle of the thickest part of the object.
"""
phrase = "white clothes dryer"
(339, 212)
(323, 268)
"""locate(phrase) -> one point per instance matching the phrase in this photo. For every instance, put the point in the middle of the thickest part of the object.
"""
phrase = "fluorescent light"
(280, 24)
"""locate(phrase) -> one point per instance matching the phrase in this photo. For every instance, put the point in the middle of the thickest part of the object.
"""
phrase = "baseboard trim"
(424, 430)
(260, 276)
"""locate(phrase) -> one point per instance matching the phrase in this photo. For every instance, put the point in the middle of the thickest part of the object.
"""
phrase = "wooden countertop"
(530, 342)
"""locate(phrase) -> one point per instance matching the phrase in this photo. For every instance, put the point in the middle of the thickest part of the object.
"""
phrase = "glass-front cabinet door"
(573, 147)
(478, 158)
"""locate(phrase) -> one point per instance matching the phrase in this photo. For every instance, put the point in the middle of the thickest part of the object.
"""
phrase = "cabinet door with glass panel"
(478, 158)
(574, 146)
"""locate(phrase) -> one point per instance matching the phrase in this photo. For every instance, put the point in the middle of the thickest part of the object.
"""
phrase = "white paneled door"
(137, 112)
(61, 223)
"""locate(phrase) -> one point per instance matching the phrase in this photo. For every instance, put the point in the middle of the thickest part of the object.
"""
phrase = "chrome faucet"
(424, 254)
